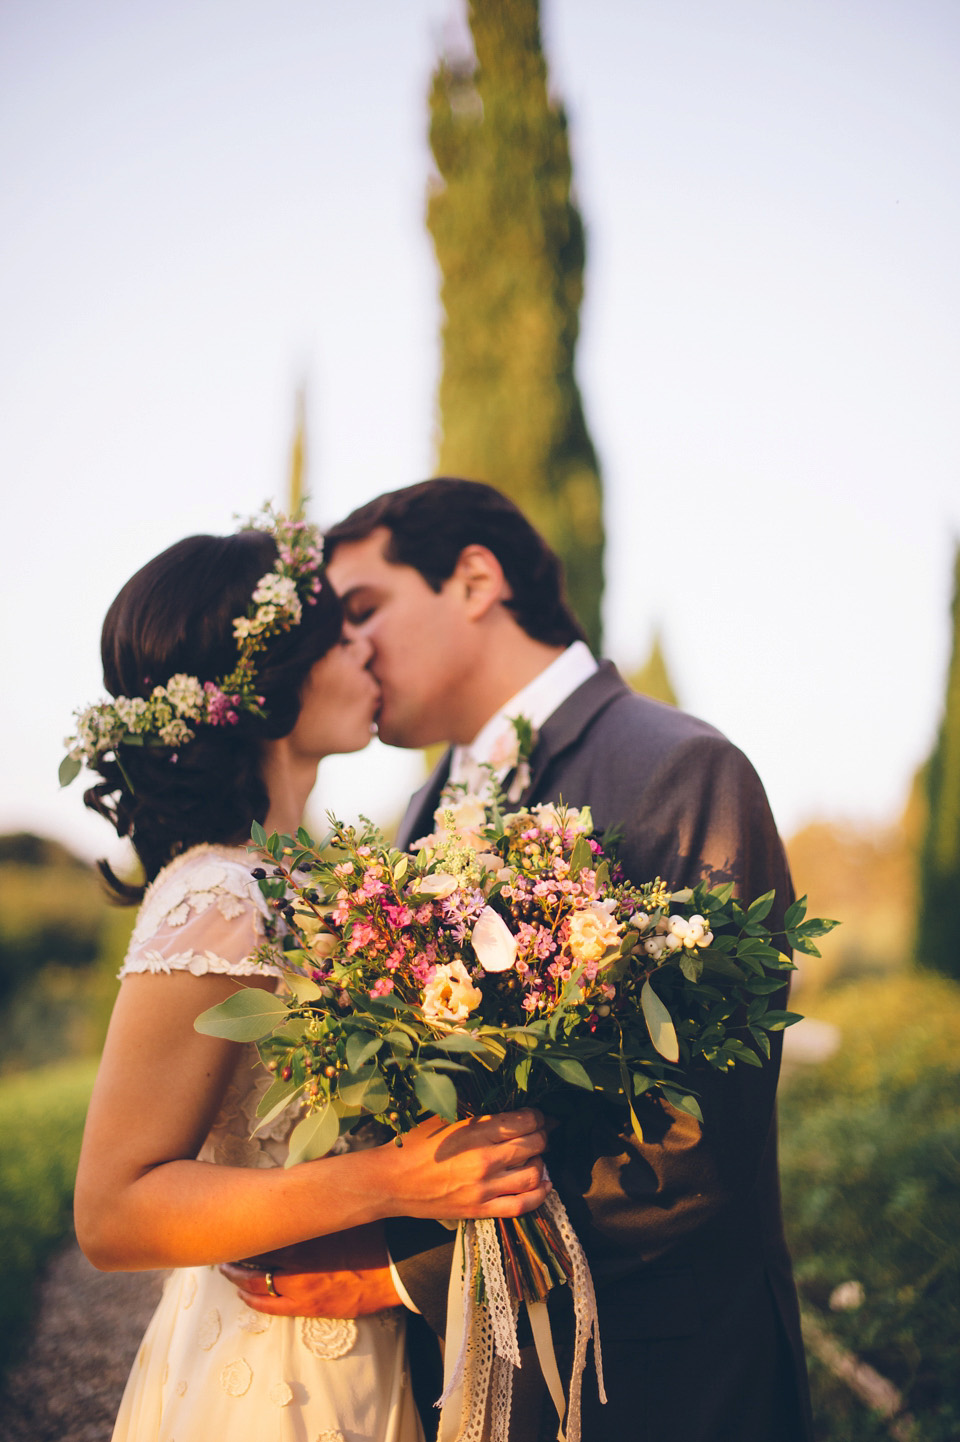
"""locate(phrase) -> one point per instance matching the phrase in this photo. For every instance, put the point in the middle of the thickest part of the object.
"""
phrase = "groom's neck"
(504, 670)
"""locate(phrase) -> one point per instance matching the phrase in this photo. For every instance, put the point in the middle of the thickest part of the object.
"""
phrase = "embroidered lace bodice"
(204, 912)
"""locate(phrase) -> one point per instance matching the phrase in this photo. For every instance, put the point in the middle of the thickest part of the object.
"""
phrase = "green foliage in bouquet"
(508, 960)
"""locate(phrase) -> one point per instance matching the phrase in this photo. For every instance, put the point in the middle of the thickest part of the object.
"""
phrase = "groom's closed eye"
(358, 606)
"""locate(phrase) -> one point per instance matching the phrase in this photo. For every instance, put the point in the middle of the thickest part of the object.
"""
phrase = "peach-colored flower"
(450, 995)
(592, 931)
(437, 885)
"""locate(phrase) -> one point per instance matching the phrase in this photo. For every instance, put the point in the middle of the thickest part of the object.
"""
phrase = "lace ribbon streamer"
(481, 1347)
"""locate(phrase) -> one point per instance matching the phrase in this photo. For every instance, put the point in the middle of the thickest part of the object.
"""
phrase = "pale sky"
(204, 202)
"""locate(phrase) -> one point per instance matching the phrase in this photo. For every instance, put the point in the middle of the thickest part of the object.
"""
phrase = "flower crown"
(168, 715)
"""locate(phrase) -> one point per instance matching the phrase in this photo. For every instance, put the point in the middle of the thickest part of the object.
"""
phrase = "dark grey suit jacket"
(698, 1313)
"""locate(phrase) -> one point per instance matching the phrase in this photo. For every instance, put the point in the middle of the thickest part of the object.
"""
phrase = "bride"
(230, 683)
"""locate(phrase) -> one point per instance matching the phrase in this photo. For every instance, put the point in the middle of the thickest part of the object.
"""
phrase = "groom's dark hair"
(430, 524)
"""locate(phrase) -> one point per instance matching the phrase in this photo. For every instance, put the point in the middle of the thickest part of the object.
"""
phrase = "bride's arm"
(142, 1201)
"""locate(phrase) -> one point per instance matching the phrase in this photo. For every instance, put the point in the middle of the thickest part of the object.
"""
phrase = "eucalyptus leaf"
(280, 1103)
(399, 1041)
(376, 1098)
(70, 768)
(635, 1124)
(569, 1070)
(277, 1090)
(313, 1137)
(355, 1084)
(436, 1093)
(249, 1015)
(304, 988)
(659, 1024)
(361, 1046)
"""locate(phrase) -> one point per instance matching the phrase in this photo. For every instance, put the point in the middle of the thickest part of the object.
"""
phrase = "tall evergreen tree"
(938, 899)
(510, 245)
(653, 677)
(298, 455)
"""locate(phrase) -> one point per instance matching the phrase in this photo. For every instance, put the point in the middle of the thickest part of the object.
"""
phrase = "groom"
(463, 604)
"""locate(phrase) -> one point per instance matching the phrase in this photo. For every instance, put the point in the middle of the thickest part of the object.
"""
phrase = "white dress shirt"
(535, 702)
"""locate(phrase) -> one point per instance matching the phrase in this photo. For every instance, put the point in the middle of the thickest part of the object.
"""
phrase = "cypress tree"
(653, 678)
(510, 245)
(938, 899)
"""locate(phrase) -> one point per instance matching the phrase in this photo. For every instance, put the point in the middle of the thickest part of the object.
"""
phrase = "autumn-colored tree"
(510, 246)
(938, 892)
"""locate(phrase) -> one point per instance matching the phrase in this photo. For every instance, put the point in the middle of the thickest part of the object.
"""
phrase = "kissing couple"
(235, 665)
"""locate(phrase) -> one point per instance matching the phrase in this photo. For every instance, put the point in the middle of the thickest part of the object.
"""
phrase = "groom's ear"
(479, 576)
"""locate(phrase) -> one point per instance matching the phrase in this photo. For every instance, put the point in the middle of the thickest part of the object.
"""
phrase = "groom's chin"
(404, 735)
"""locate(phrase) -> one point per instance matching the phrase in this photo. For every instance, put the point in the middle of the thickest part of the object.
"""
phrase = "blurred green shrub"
(871, 1165)
(41, 1124)
(61, 944)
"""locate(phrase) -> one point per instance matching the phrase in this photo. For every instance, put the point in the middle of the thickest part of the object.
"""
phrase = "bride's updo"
(176, 616)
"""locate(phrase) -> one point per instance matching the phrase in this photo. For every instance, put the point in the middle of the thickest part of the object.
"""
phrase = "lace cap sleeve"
(203, 913)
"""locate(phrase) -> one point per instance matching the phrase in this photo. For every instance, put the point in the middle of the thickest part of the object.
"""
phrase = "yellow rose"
(592, 932)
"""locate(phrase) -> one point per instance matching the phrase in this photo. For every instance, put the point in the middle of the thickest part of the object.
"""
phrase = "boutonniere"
(521, 746)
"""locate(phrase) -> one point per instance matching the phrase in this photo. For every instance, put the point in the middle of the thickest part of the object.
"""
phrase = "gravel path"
(68, 1384)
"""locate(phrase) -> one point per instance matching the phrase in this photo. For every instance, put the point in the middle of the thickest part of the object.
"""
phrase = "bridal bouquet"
(508, 961)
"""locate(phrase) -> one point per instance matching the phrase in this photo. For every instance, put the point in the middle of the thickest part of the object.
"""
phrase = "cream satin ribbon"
(481, 1347)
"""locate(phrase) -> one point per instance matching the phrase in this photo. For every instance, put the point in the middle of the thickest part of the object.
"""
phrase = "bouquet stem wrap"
(481, 1348)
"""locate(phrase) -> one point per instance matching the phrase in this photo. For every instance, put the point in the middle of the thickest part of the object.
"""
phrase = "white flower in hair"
(275, 606)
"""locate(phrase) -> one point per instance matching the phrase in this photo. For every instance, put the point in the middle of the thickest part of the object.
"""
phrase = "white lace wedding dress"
(209, 1367)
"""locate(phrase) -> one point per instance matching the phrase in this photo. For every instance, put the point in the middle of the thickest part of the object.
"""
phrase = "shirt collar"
(536, 701)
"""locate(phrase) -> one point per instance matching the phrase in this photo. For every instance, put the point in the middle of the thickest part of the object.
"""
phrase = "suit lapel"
(563, 730)
(418, 817)
(559, 733)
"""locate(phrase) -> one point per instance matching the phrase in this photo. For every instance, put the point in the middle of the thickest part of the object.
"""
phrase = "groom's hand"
(345, 1274)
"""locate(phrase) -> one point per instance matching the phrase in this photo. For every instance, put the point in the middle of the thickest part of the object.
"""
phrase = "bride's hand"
(484, 1167)
(344, 1274)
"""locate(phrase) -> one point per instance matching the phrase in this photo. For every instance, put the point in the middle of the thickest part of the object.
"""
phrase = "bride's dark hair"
(176, 615)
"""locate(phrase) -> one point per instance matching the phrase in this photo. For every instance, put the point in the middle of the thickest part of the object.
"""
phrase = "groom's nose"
(361, 647)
